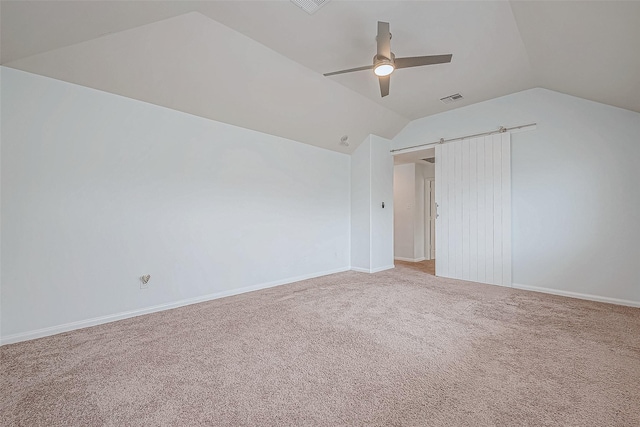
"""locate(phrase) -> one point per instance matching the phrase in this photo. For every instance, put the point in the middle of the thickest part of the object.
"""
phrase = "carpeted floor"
(428, 266)
(393, 348)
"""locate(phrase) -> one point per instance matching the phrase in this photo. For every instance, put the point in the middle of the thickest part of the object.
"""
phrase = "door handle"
(437, 215)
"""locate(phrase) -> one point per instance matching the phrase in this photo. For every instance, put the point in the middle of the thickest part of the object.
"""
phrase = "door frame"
(429, 196)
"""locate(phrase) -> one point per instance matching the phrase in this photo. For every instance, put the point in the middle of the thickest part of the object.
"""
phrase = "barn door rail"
(501, 129)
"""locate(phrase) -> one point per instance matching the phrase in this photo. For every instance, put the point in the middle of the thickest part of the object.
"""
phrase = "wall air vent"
(452, 98)
(310, 6)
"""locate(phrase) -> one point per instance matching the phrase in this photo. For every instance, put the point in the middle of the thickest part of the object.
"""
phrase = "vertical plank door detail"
(473, 196)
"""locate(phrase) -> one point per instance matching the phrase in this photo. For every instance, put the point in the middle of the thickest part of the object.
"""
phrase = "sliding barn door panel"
(466, 196)
(506, 216)
(473, 197)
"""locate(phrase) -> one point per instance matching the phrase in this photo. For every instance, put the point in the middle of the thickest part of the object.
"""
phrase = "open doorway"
(472, 178)
(414, 210)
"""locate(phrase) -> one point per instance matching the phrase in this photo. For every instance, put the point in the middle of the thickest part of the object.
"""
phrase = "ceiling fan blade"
(384, 85)
(384, 40)
(350, 70)
(417, 61)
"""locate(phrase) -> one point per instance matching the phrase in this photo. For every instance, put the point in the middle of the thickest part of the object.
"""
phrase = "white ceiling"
(589, 49)
(192, 63)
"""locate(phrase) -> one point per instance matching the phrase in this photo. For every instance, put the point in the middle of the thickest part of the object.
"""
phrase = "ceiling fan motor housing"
(379, 61)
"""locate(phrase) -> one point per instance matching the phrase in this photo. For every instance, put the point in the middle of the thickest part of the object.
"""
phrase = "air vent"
(430, 160)
(452, 98)
(310, 6)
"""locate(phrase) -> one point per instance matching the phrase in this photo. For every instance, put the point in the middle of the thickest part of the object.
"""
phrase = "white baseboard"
(53, 330)
(379, 269)
(578, 295)
(410, 259)
(374, 270)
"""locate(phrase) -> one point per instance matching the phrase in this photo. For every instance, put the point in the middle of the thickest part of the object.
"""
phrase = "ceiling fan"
(385, 62)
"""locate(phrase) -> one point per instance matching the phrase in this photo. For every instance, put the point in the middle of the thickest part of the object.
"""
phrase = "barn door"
(473, 194)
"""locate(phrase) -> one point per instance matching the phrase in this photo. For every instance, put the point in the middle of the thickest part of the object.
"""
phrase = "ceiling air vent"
(430, 159)
(310, 6)
(452, 98)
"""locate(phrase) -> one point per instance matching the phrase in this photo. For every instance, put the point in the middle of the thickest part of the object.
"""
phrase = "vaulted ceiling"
(259, 64)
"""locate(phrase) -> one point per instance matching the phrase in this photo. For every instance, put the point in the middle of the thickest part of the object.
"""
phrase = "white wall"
(404, 183)
(98, 190)
(575, 200)
(361, 206)
(381, 191)
(372, 225)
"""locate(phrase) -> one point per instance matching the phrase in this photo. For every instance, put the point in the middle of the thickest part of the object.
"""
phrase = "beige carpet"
(389, 349)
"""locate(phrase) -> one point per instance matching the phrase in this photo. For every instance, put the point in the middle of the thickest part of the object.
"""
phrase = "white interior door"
(432, 220)
(473, 193)
(429, 219)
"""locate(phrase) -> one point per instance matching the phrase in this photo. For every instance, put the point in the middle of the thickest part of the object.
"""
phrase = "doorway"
(468, 197)
(414, 210)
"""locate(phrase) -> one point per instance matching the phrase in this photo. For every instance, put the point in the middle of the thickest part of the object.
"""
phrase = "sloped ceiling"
(588, 49)
(259, 64)
(193, 64)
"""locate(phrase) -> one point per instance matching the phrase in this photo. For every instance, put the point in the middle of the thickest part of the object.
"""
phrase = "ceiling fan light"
(383, 70)
(383, 66)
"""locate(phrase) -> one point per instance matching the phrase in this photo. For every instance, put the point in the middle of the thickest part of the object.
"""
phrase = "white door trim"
(429, 193)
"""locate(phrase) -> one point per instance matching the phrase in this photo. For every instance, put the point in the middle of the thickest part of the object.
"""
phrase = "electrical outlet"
(144, 281)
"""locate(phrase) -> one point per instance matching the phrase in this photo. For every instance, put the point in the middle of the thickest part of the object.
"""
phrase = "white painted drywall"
(575, 198)
(381, 192)
(403, 209)
(98, 190)
(361, 206)
(372, 225)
